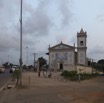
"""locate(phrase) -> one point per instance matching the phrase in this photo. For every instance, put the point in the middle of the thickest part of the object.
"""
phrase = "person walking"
(39, 73)
(79, 77)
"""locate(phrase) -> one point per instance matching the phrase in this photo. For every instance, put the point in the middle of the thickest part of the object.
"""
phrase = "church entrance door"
(61, 66)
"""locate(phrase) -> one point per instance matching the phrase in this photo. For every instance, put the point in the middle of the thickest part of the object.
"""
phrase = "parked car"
(13, 69)
(2, 69)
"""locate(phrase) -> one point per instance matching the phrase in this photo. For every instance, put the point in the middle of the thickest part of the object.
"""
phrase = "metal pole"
(92, 66)
(34, 59)
(8, 58)
(27, 56)
(21, 43)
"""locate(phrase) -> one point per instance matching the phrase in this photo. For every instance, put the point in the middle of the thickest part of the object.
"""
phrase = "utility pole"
(8, 58)
(38, 65)
(92, 65)
(34, 59)
(27, 56)
(20, 43)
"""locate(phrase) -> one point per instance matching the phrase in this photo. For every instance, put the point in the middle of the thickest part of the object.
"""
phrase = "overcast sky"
(49, 22)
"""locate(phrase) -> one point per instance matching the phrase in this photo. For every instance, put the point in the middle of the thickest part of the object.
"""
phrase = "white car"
(13, 69)
(2, 69)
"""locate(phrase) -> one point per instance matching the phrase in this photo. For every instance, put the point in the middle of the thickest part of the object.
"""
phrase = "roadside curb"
(7, 85)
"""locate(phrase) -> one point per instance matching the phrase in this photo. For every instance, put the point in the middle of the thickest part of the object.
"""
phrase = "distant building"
(66, 57)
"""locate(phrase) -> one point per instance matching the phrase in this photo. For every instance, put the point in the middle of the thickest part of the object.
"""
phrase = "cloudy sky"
(49, 22)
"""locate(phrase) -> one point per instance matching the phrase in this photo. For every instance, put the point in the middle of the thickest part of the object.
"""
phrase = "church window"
(81, 42)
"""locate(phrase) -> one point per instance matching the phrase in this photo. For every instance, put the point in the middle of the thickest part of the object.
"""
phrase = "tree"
(101, 64)
(6, 64)
(10, 64)
(101, 61)
(24, 67)
(89, 63)
(42, 61)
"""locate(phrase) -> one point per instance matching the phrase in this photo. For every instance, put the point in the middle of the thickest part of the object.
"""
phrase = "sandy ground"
(55, 90)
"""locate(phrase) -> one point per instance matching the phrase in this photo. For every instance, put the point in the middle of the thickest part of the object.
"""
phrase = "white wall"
(81, 57)
(81, 39)
(69, 59)
(84, 69)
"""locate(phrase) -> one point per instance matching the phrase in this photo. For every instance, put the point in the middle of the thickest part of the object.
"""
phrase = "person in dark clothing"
(38, 73)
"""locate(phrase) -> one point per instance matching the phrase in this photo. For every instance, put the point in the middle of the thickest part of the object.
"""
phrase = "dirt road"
(46, 90)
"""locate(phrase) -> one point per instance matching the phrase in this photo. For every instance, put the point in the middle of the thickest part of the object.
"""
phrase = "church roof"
(81, 33)
(62, 46)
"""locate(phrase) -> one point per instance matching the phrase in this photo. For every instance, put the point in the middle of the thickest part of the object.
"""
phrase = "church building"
(65, 57)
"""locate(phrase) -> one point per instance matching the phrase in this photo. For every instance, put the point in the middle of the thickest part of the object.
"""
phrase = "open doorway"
(61, 66)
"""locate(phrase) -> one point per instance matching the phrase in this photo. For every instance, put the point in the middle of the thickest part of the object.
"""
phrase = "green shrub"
(72, 73)
(67, 74)
(16, 73)
(85, 76)
(73, 76)
(95, 74)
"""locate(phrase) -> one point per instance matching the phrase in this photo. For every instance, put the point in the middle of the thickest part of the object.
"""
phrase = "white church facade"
(66, 57)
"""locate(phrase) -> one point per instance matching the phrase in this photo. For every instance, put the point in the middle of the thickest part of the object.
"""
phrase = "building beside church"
(65, 57)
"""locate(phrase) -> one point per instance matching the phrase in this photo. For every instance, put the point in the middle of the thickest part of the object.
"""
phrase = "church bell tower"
(81, 47)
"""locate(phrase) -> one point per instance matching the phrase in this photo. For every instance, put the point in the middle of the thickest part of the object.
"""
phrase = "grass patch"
(73, 76)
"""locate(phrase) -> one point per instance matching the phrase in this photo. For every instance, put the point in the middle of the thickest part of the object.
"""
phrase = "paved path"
(4, 77)
(46, 90)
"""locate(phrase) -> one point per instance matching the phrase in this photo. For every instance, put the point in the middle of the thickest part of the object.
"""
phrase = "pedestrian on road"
(50, 75)
(39, 73)
(79, 77)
